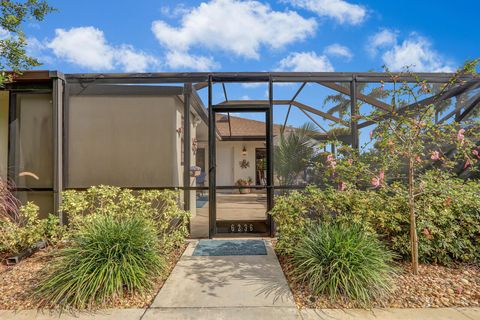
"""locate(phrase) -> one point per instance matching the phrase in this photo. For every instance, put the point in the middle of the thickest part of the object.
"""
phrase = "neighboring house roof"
(243, 127)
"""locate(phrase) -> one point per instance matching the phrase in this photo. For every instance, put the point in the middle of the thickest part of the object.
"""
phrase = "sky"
(278, 35)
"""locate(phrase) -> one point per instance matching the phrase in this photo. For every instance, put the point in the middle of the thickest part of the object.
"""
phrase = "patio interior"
(230, 206)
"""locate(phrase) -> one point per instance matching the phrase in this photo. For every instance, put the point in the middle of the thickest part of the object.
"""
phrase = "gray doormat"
(230, 248)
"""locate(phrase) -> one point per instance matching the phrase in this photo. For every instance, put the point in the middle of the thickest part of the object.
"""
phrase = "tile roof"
(242, 127)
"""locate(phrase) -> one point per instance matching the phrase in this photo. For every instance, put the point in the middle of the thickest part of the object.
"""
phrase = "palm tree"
(342, 101)
(294, 153)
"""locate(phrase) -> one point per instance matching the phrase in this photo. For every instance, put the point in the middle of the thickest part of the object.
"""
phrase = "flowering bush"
(448, 218)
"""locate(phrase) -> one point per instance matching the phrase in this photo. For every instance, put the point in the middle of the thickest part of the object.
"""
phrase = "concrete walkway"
(225, 282)
(238, 287)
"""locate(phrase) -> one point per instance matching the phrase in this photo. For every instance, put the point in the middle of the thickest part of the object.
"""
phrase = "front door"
(241, 198)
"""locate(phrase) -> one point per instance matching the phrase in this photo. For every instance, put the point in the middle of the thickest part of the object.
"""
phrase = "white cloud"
(337, 50)
(4, 34)
(37, 49)
(174, 12)
(233, 26)
(381, 39)
(306, 61)
(340, 10)
(87, 47)
(182, 60)
(415, 52)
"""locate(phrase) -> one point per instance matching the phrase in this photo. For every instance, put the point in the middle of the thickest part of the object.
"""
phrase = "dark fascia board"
(244, 138)
(194, 77)
(123, 90)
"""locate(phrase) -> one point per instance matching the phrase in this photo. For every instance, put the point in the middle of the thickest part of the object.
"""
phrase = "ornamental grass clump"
(107, 257)
(344, 261)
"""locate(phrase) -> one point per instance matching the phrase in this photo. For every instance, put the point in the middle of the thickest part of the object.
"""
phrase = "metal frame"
(268, 138)
(64, 86)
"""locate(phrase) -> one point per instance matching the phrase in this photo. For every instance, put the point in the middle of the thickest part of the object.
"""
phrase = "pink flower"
(342, 186)
(375, 182)
(418, 159)
(460, 135)
(350, 161)
(425, 88)
(331, 161)
(381, 175)
(467, 164)
(476, 153)
(371, 135)
(435, 155)
(333, 164)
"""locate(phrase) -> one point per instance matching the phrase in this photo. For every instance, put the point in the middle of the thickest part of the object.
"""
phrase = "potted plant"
(195, 171)
(243, 183)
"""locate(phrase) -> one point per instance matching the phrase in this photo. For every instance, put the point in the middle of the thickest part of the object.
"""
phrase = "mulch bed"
(17, 283)
(434, 286)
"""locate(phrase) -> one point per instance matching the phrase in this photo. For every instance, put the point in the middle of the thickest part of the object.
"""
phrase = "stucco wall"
(229, 156)
(3, 134)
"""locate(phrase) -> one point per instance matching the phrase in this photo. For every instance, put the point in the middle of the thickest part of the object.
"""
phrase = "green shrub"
(107, 257)
(343, 260)
(27, 229)
(447, 209)
(160, 207)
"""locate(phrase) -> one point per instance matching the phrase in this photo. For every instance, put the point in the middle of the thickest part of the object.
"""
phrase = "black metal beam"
(199, 77)
(361, 97)
(254, 102)
(239, 107)
(354, 115)
(472, 104)
(298, 92)
(57, 104)
(212, 215)
(186, 143)
(313, 120)
(269, 147)
(319, 113)
(452, 92)
(286, 117)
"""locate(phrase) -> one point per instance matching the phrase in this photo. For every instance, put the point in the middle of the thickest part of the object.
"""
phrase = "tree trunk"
(413, 224)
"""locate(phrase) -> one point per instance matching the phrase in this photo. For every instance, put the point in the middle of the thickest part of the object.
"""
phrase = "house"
(151, 131)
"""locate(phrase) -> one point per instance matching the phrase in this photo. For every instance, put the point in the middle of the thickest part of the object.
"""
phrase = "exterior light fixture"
(244, 151)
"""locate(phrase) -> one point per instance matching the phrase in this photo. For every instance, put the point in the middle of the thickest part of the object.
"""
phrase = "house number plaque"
(241, 228)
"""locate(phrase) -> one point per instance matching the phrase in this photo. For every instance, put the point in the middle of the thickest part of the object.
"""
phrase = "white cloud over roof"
(87, 47)
(340, 10)
(306, 61)
(241, 28)
(415, 52)
(338, 50)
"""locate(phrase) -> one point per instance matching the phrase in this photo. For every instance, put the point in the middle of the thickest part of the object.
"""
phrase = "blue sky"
(233, 35)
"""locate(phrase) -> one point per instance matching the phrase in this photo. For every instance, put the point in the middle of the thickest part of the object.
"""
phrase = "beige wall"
(123, 141)
(229, 156)
(3, 134)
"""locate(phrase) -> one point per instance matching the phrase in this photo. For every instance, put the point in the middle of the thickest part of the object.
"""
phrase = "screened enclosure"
(228, 154)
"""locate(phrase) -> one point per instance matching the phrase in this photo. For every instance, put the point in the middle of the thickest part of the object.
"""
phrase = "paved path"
(247, 313)
(226, 282)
